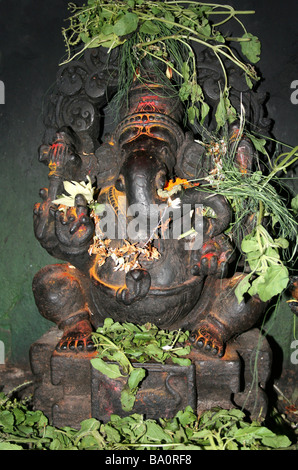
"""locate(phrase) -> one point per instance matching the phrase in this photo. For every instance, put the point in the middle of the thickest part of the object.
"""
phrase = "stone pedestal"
(68, 389)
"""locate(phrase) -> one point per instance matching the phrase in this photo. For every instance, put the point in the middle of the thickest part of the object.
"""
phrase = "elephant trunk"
(140, 178)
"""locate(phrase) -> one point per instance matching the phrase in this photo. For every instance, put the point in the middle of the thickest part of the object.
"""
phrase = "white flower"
(119, 263)
(175, 204)
(73, 188)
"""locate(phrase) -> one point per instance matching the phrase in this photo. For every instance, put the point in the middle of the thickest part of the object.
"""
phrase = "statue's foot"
(208, 340)
(77, 339)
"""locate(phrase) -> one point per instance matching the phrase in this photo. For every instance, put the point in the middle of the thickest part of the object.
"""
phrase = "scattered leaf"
(135, 377)
(252, 48)
(111, 370)
(127, 24)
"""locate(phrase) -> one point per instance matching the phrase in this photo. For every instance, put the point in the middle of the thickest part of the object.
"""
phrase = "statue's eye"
(120, 183)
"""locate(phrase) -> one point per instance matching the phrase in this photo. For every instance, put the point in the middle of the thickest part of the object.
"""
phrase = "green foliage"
(261, 199)
(24, 429)
(127, 343)
(225, 112)
(268, 276)
(165, 32)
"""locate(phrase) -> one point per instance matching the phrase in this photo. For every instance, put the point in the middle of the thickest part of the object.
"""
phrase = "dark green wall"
(31, 47)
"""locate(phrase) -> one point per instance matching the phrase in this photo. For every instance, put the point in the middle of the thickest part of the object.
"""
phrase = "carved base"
(68, 389)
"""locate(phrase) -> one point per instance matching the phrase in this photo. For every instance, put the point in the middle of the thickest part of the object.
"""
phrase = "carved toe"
(76, 340)
(207, 341)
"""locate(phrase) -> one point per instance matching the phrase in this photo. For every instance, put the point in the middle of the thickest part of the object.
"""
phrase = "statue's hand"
(74, 228)
(138, 282)
(213, 258)
(44, 220)
(61, 157)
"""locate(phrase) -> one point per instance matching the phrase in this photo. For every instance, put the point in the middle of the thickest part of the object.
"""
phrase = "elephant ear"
(191, 159)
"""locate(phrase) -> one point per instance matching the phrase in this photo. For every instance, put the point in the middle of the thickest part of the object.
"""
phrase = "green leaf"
(110, 42)
(254, 260)
(84, 37)
(127, 399)
(185, 71)
(219, 37)
(191, 112)
(220, 113)
(196, 93)
(127, 24)
(111, 370)
(88, 426)
(33, 417)
(108, 322)
(149, 27)
(113, 435)
(107, 29)
(256, 285)
(276, 442)
(156, 11)
(204, 28)
(181, 361)
(9, 446)
(267, 437)
(185, 91)
(242, 288)
(183, 351)
(6, 419)
(225, 112)
(156, 433)
(259, 144)
(187, 416)
(135, 377)
(19, 416)
(143, 336)
(169, 17)
(252, 48)
(249, 244)
(204, 112)
(248, 81)
(154, 351)
(275, 280)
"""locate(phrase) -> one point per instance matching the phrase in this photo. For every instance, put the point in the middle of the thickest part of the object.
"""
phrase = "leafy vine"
(167, 32)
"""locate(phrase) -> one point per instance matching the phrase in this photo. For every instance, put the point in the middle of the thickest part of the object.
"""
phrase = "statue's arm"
(64, 234)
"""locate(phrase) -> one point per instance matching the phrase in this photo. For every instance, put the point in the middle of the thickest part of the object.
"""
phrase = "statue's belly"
(163, 307)
(172, 295)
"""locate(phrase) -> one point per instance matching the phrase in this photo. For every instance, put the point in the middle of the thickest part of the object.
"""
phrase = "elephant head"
(148, 149)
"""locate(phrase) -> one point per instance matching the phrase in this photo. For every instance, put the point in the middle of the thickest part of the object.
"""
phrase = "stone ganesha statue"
(174, 282)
